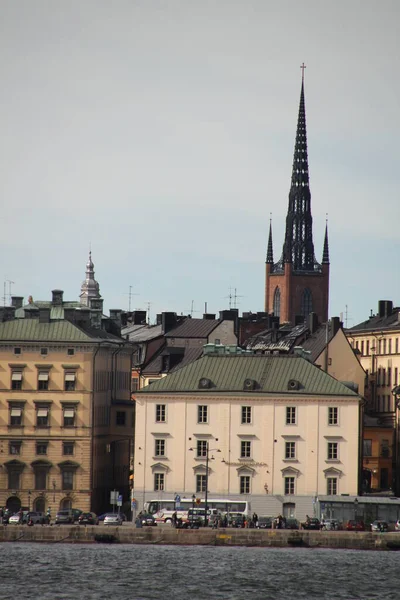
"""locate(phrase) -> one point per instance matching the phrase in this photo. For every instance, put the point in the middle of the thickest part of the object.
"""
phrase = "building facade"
(297, 284)
(279, 432)
(66, 415)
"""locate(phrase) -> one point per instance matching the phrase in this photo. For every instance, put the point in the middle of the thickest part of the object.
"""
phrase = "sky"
(160, 133)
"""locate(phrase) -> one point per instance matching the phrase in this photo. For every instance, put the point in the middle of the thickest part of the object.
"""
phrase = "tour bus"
(162, 510)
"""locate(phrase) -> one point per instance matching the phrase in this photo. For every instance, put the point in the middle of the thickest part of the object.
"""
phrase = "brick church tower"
(297, 284)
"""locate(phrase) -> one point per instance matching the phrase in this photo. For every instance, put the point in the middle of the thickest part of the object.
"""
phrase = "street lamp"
(208, 450)
(193, 501)
(355, 508)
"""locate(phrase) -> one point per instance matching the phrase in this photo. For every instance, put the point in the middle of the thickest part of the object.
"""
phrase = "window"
(41, 448)
(245, 484)
(43, 380)
(15, 416)
(70, 351)
(362, 347)
(42, 417)
(306, 303)
(202, 414)
(202, 448)
(121, 417)
(290, 450)
(331, 488)
(159, 448)
(396, 345)
(16, 380)
(290, 415)
(390, 345)
(17, 350)
(385, 449)
(160, 413)
(200, 483)
(40, 478)
(14, 479)
(69, 381)
(69, 417)
(217, 341)
(159, 483)
(277, 302)
(289, 486)
(67, 479)
(135, 384)
(14, 447)
(68, 448)
(367, 447)
(384, 346)
(367, 347)
(43, 351)
(389, 376)
(333, 415)
(395, 376)
(333, 450)
(246, 414)
(245, 449)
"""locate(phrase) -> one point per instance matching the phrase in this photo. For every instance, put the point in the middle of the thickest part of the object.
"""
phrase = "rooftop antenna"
(346, 317)
(148, 312)
(130, 294)
(5, 299)
(191, 309)
(233, 296)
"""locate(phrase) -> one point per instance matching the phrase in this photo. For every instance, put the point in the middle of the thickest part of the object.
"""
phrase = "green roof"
(31, 330)
(271, 374)
(56, 311)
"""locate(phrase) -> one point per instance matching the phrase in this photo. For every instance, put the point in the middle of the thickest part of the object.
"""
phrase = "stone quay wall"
(127, 534)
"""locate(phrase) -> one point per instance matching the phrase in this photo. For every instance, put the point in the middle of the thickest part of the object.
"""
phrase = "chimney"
(17, 301)
(313, 322)
(57, 298)
(69, 314)
(95, 318)
(209, 317)
(7, 313)
(44, 315)
(116, 319)
(82, 317)
(385, 308)
(139, 317)
(336, 325)
(168, 321)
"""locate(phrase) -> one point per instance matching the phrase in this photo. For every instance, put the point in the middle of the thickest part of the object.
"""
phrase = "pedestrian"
(255, 519)
(1, 515)
(174, 518)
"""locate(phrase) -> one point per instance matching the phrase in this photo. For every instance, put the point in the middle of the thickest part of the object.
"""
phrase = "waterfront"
(119, 572)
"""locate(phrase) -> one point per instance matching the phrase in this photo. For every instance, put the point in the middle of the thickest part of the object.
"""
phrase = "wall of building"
(267, 432)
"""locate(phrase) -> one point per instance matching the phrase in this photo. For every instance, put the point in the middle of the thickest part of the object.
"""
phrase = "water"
(88, 572)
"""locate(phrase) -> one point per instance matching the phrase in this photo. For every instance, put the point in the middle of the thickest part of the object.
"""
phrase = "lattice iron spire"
(270, 251)
(298, 247)
(325, 254)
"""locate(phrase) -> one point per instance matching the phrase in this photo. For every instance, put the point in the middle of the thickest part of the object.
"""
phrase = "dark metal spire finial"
(302, 67)
(325, 254)
(270, 252)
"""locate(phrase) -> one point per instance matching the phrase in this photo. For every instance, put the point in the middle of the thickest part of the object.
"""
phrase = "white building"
(279, 431)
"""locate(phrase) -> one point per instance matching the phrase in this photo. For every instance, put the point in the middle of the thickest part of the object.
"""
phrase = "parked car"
(88, 518)
(147, 519)
(354, 525)
(292, 524)
(236, 519)
(64, 517)
(16, 519)
(113, 519)
(379, 526)
(76, 513)
(264, 523)
(312, 524)
(331, 525)
(37, 518)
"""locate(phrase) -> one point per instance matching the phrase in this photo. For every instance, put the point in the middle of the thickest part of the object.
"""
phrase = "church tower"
(89, 288)
(297, 284)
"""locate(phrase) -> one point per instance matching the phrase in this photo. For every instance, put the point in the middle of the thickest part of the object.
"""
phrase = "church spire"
(298, 247)
(90, 287)
(325, 254)
(270, 252)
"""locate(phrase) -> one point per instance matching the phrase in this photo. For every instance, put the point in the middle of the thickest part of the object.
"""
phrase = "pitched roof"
(31, 330)
(56, 311)
(271, 374)
(281, 340)
(316, 342)
(156, 364)
(194, 328)
(141, 333)
(376, 322)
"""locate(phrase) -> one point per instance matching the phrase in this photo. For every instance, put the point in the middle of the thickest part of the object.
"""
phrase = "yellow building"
(66, 413)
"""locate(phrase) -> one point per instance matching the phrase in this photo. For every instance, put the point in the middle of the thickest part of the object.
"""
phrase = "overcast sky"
(161, 132)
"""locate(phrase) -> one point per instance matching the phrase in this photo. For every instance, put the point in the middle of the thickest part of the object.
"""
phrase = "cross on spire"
(302, 67)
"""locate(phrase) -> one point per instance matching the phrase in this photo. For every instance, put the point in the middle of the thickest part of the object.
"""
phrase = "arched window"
(306, 303)
(277, 302)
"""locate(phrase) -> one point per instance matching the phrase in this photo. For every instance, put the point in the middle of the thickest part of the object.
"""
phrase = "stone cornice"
(266, 398)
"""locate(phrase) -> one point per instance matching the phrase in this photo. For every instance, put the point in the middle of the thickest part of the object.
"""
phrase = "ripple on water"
(119, 572)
